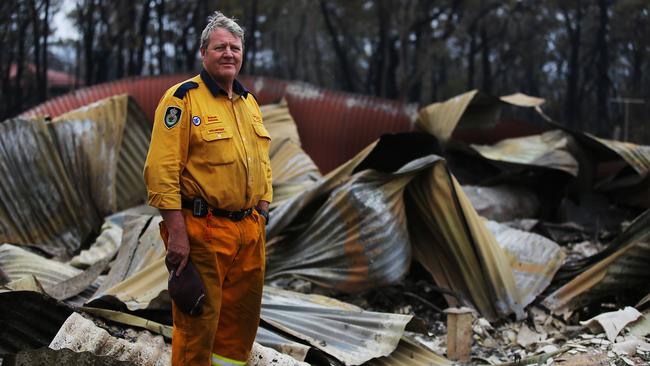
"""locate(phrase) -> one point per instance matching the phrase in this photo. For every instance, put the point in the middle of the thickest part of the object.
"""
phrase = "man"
(209, 174)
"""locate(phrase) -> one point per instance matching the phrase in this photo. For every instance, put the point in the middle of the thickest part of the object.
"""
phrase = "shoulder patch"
(183, 89)
(172, 116)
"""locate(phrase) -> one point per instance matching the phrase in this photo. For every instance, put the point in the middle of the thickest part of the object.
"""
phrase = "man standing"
(209, 174)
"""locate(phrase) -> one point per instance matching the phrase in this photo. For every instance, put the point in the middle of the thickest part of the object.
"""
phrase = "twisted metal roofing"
(325, 118)
(64, 175)
(624, 265)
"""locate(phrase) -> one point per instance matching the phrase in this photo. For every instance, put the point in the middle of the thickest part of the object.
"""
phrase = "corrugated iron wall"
(333, 126)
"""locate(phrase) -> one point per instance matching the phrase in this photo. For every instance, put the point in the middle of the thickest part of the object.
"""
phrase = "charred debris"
(461, 238)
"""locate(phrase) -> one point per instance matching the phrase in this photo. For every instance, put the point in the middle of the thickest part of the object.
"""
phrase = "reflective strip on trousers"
(225, 361)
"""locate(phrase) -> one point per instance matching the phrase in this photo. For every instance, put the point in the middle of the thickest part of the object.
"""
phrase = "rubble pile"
(435, 246)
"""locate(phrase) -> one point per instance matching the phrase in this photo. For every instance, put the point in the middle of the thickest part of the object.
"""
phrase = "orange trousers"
(229, 256)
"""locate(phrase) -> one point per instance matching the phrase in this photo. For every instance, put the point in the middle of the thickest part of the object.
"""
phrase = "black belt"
(200, 208)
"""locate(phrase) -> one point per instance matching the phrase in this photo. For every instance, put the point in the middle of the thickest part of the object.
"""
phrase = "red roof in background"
(54, 78)
(333, 126)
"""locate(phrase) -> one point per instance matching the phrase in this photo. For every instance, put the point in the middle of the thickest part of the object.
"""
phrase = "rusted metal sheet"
(17, 262)
(103, 147)
(410, 353)
(293, 170)
(59, 280)
(340, 233)
(472, 111)
(39, 203)
(454, 245)
(503, 203)
(550, 150)
(624, 266)
(67, 174)
(138, 277)
(534, 259)
(325, 118)
(637, 156)
(355, 239)
(344, 331)
(145, 90)
(110, 238)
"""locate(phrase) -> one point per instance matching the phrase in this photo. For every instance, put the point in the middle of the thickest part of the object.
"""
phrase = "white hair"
(218, 20)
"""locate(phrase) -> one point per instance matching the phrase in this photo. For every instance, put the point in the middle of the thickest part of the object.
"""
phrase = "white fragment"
(612, 322)
(262, 356)
(549, 348)
(627, 361)
(627, 347)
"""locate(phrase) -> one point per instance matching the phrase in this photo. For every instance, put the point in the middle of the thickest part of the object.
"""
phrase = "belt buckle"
(199, 207)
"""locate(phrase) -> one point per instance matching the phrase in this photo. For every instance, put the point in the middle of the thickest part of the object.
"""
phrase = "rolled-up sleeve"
(167, 153)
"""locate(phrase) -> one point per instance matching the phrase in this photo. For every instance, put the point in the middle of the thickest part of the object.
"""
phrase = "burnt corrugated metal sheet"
(138, 277)
(637, 156)
(293, 170)
(29, 320)
(355, 240)
(145, 90)
(39, 203)
(409, 353)
(624, 266)
(282, 344)
(64, 176)
(140, 348)
(103, 147)
(534, 259)
(344, 331)
(17, 262)
(104, 247)
(471, 111)
(60, 280)
(503, 203)
(548, 150)
(141, 245)
(325, 118)
(454, 245)
(348, 232)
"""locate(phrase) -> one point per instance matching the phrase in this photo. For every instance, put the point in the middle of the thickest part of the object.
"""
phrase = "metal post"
(627, 102)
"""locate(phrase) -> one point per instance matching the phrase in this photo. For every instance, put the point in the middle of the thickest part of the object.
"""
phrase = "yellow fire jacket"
(204, 144)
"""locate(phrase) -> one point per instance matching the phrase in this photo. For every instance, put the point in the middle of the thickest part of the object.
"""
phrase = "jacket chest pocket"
(263, 139)
(218, 144)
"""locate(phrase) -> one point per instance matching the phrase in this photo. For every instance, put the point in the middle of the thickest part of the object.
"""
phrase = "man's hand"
(178, 245)
(263, 206)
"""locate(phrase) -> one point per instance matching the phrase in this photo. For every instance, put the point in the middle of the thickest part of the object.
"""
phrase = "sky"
(64, 27)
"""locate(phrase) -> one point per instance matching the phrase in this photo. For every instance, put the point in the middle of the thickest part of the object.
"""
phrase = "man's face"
(222, 58)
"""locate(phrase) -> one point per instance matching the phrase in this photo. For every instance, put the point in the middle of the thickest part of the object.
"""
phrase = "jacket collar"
(215, 89)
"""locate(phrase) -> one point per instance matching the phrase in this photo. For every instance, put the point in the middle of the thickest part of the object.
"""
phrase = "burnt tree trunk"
(251, 42)
(160, 12)
(341, 55)
(485, 61)
(602, 67)
(572, 105)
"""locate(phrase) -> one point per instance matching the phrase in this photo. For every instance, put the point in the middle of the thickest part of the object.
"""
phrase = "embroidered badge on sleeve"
(172, 116)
